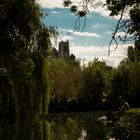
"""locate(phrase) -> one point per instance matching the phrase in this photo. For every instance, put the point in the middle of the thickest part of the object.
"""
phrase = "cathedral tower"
(64, 49)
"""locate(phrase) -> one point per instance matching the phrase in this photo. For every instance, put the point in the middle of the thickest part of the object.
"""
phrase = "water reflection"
(82, 126)
(116, 132)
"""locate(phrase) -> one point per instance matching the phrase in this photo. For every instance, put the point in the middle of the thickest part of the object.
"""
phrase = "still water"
(68, 126)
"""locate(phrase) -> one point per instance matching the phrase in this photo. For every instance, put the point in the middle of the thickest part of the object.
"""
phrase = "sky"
(93, 41)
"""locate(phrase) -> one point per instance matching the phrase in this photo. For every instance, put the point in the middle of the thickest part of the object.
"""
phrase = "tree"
(95, 83)
(65, 79)
(130, 54)
(24, 92)
(134, 85)
(18, 26)
(131, 76)
(133, 53)
(119, 86)
(129, 26)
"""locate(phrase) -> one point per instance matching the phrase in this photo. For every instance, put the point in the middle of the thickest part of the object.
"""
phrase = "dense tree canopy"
(24, 90)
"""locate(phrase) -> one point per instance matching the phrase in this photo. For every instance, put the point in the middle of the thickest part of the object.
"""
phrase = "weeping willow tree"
(23, 60)
(46, 93)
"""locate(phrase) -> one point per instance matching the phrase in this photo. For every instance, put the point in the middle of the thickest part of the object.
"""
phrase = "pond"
(68, 126)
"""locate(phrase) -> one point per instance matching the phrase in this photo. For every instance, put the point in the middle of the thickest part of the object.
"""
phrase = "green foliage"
(115, 6)
(65, 79)
(135, 17)
(94, 82)
(73, 8)
(14, 15)
(133, 53)
(131, 65)
(67, 3)
(81, 13)
(132, 25)
(24, 88)
(46, 87)
(119, 86)
(134, 83)
(137, 50)
(29, 80)
(130, 54)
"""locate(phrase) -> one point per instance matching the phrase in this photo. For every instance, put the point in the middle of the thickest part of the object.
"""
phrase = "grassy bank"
(131, 119)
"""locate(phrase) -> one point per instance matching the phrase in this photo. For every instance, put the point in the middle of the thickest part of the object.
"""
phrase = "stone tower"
(64, 49)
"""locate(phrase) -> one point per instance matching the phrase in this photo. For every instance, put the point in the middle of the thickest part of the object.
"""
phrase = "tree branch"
(116, 30)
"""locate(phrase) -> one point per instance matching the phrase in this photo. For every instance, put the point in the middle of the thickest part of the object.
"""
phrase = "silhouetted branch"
(85, 20)
(84, 8)
(125, 26)
(116, 30)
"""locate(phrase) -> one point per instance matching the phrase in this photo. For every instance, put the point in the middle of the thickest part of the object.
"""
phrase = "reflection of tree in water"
(83, 135)
(64, 129)
(96, 131)
(28, 131)
(122, 133)
(57, 128)
(77, 129)
(80, 127)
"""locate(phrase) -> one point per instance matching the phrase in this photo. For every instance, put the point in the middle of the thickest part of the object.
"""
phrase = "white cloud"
(82, 34)
(42, 2)
(90, 52)
(122, 34)
(108, 32)
(56, 12)
(98, 25)
(98, 3)
(59, 3)
(86, 34)
(103, 11)
(66, 37)
(97, 6)
(101, 8)
(51, 3)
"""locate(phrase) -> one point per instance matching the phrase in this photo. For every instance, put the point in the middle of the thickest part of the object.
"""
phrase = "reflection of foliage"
(72, 125)
(131, 120)
(25, 131)
(64, 129)
(127, 127)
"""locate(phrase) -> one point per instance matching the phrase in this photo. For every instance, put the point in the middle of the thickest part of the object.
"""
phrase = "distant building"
(63, 50)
